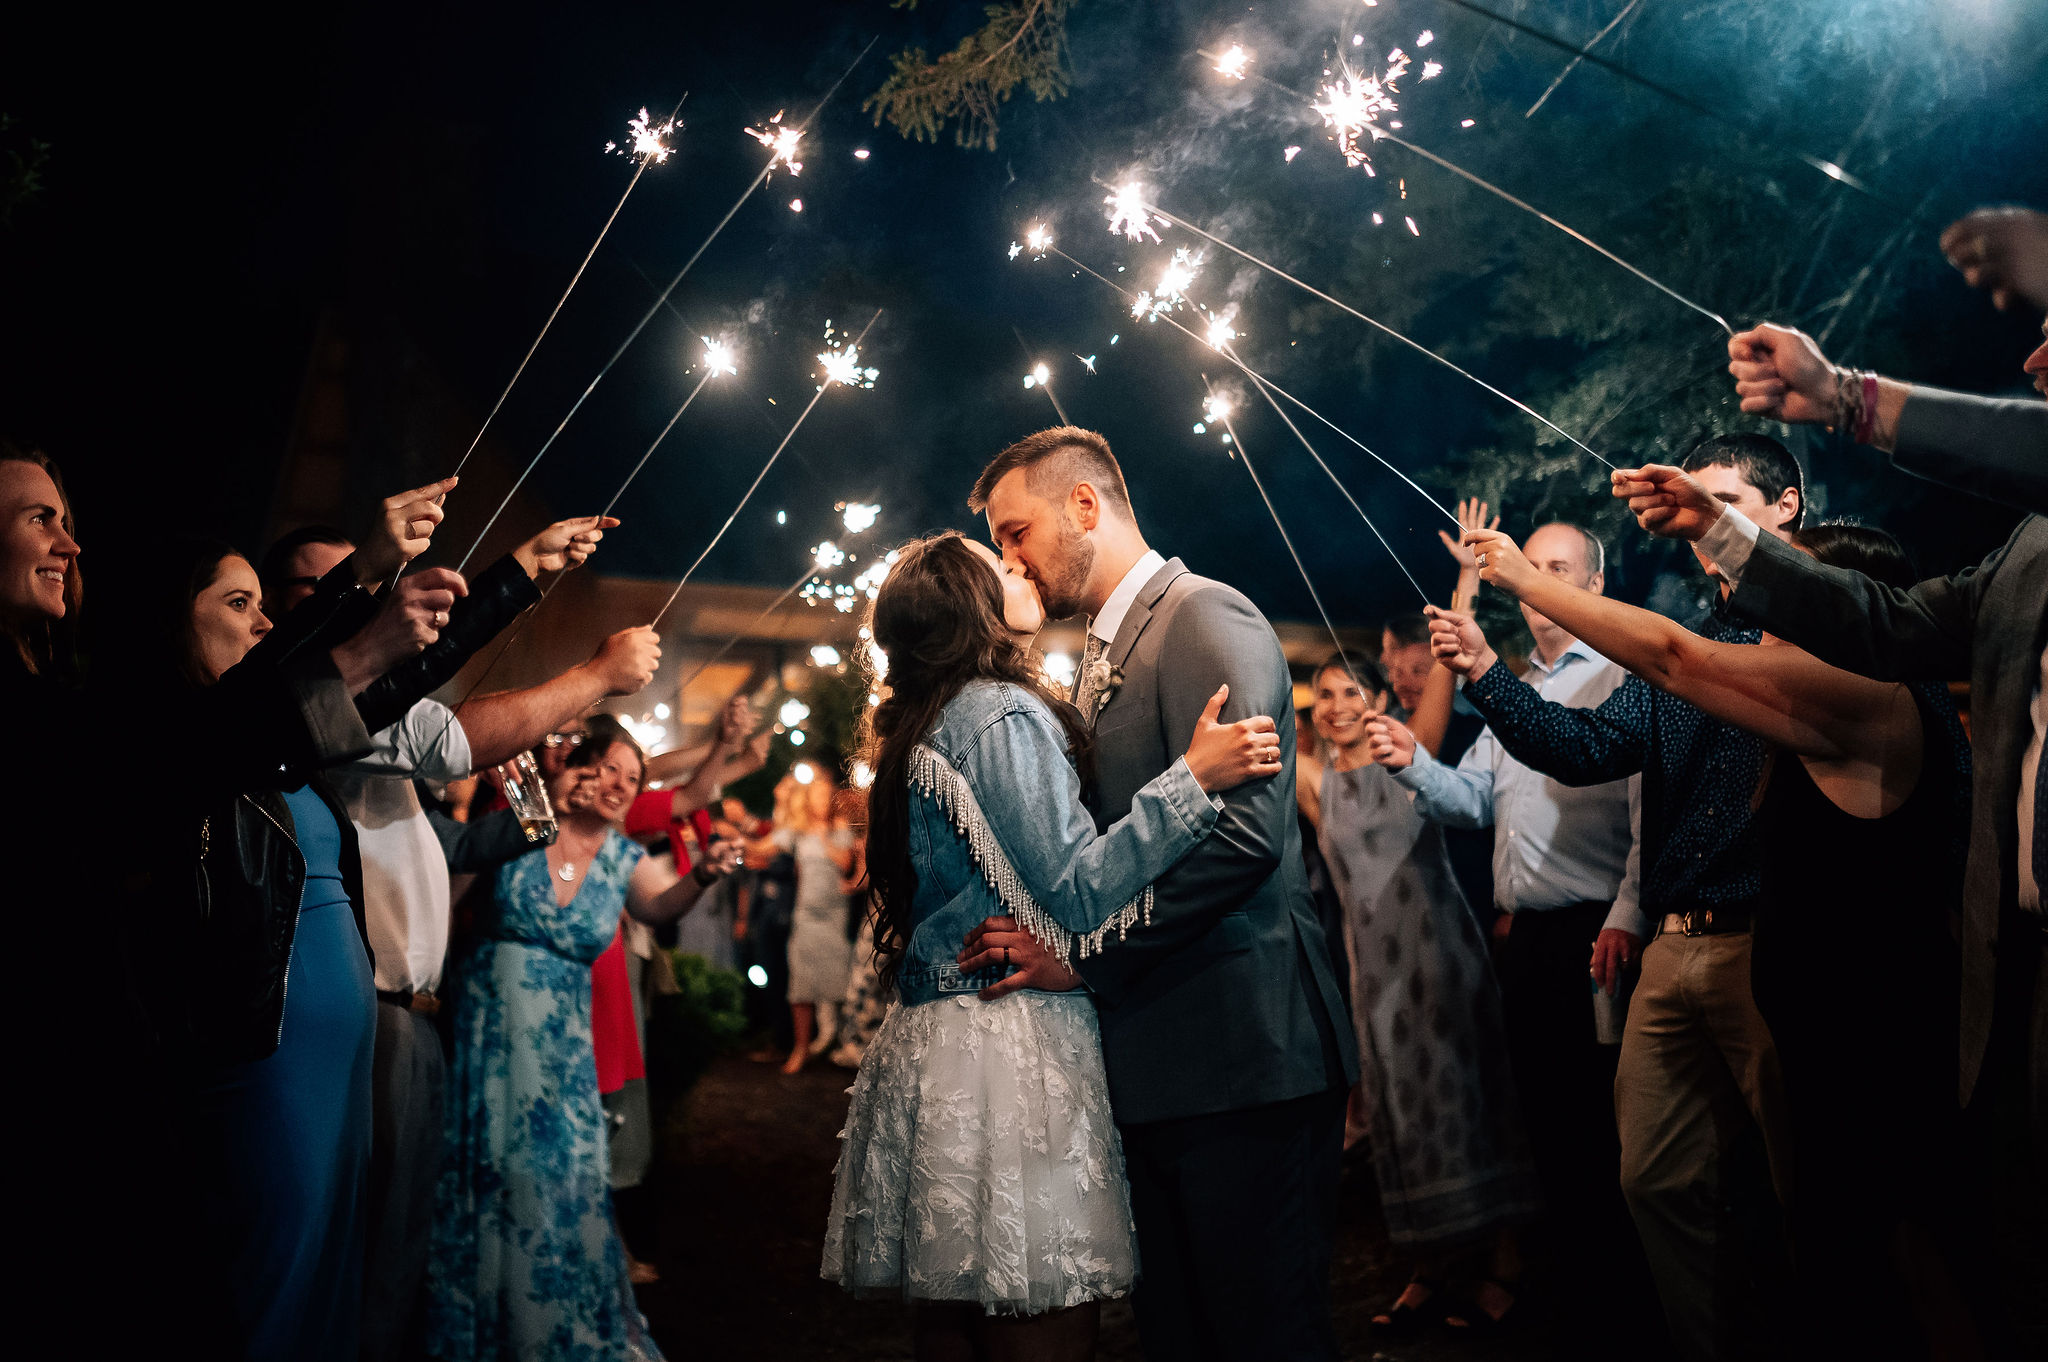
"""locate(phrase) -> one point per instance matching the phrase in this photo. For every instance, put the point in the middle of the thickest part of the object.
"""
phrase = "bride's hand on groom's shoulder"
(1224, 756)
(999, 941)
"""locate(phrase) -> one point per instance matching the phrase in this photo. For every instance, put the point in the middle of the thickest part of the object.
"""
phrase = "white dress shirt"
(405, 875)
(1728, 543)
(1110, 617)
(1553, 844)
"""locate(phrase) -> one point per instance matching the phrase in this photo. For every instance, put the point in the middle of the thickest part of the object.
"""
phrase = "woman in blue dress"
(526, 1260)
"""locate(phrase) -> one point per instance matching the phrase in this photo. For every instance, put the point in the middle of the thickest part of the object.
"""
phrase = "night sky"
(432, 178)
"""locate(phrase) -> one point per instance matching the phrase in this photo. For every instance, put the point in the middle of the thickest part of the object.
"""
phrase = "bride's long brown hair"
(939, 621)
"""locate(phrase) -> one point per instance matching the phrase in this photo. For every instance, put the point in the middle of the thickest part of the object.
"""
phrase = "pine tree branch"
(1020, 43)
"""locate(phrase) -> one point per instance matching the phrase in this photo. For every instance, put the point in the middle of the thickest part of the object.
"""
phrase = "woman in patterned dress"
(981, 1178)
(1448, 1152)
(526, 1261)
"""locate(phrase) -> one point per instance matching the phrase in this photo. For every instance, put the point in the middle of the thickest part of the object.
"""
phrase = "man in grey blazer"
(1225, 1038)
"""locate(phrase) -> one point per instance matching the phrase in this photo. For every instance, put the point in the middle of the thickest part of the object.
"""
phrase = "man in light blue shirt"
(1565, 881)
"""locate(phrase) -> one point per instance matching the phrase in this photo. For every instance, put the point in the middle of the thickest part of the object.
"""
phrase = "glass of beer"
(528, 796)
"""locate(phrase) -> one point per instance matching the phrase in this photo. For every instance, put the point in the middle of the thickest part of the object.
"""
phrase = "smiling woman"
(39, 582)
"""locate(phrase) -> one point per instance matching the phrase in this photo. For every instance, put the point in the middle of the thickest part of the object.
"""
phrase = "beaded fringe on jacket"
(934, 777)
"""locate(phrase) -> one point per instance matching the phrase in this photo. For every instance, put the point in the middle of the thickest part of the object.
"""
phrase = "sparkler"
(717, 360)
(1416, 345)
(648, 149)
(1355, 113)
(781, 142)
(840, 367)
(646, 317)
(1350, 106)
(648, 146)
(1127, 212)
(1571, 232)
(1233, 61)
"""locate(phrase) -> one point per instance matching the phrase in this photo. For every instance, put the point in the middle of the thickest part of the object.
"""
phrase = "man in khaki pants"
(1697, 1062)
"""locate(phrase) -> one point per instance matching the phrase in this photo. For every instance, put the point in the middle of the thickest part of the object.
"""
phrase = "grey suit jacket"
(1228, 999)
(1986, 623)
(1992, 447)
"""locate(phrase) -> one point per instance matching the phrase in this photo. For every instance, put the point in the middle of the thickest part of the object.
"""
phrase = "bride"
(981, 1177)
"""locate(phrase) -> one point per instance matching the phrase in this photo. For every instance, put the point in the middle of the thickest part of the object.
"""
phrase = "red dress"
(613, 1034)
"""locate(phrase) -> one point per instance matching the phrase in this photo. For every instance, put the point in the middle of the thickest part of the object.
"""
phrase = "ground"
(740, 1200)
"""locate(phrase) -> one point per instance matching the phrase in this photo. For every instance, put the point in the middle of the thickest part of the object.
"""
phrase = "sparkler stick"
(1279, 273)
(1574, 234)
(1222, 410)
(651, 313)
(1824, 166)
(1265, 382)
(1579, 56)
(648, 149)
(717, 359)
(1278, 411)
(733, 642)
(843, 372)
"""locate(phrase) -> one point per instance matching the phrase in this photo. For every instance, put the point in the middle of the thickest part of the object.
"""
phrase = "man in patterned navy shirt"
(1697, 1057)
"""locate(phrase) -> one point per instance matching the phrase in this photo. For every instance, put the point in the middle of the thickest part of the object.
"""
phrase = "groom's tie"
(1088, 686)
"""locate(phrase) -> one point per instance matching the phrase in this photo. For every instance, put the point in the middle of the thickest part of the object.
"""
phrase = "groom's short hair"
(1057, 459)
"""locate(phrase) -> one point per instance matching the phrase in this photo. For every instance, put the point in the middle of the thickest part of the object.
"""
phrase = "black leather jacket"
(234, 889)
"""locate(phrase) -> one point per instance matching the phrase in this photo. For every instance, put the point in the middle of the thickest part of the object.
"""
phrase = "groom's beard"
(1066, 577)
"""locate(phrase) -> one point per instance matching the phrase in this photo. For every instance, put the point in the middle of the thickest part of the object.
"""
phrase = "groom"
(1225, 1038)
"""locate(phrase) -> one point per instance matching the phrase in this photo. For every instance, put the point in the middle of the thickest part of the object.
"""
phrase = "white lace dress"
(980, 1162)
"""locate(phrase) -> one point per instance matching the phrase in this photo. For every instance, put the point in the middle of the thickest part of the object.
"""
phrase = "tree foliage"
(1018, 44)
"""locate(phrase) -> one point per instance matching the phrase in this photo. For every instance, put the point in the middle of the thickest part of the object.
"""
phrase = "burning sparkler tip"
(1232, 62)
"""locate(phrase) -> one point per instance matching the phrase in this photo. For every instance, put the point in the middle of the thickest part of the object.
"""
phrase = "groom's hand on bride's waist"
(1000, 942)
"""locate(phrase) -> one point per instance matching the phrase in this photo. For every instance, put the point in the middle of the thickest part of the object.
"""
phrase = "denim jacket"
(997, 827)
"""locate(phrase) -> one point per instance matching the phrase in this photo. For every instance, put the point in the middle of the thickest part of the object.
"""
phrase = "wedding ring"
(1479, 559)
(1006, 957)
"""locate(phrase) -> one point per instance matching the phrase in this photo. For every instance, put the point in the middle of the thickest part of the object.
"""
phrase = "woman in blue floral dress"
(526, 1261)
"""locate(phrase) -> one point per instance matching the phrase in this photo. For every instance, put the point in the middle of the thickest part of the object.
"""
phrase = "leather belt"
(426, 1004)
(1729, 917)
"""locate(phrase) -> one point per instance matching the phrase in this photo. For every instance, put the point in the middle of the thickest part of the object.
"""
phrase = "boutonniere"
(1104, 679)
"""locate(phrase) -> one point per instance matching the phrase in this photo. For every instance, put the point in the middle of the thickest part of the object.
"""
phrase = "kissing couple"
(1118, 1058)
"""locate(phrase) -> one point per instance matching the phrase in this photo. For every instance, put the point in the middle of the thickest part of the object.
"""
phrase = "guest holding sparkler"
(1863, 1019)
(406, 900)
(1984, 622)
(1698, 1065)
(526, 1260)
(270, 1018)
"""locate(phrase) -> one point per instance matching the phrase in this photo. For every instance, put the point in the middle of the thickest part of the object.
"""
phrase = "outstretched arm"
(1783, 695)
(1571, 746)
(1991, 447)
(1842, 617)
